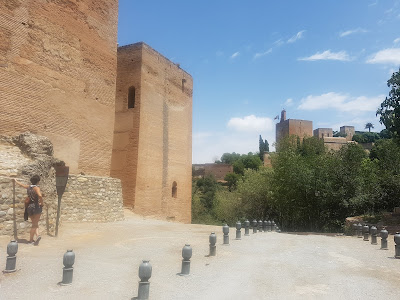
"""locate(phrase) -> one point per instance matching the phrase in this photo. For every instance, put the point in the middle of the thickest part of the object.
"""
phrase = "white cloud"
(258, 55)
(278, 42)
(219, 143)
(250, 124)
(396, 40)
(386, 56)
(289, 102)
(296, 37)
(341, 102)
(328, 55)
(234, 55)
(243, 138)
(353, 31)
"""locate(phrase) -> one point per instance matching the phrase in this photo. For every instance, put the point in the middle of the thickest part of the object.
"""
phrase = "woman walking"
(34, 206)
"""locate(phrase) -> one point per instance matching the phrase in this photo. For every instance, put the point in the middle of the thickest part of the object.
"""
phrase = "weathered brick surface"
(57, 75)
(323, 132)
(301, 128)
(152, 142)
(219, 171)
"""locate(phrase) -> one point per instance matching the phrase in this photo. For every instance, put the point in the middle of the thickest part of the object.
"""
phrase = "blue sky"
(324, 61)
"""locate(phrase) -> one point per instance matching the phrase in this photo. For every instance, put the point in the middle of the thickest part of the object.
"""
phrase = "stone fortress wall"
(58, 69)
(153, 132)
(303, 128)
(57, 74)
(219, 171)
(86, 198)
(287, 127)
(92, 199)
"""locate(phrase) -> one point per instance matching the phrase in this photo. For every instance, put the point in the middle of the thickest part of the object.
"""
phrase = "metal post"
(238, 232)
(14, 217)
(225, 230)
(186, 254)
(359, 231)
(68, 270)
(384, 235)
(145, 270)
(397, 246)
(365, 232)
(62, 172)
(374, 232)
(355, 229)
(58, 213)
(246, 227)
(254, 226)
(213, 241)
(12, 249)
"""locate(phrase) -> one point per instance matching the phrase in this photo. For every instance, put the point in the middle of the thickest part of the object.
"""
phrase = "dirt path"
(261, 266)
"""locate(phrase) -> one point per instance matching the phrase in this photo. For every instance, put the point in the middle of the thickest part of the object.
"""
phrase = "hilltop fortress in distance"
(303, 128)
(124, 113)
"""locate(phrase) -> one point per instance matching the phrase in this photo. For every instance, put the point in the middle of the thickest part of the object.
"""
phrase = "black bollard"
(355, 229)
(359, 231)
(397, 246)
(238, 232)
(374, 232)
(365, 230)
(145, 270)
(269, 225)
(260, 226)
(265, 226)
(186, 254)
(68, 270)
(213, 241)
(384, 235)
(254, 223)
(246, 227)
(225, 230)
(12, 249)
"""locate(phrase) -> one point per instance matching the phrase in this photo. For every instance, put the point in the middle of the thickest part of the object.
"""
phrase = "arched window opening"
(131, 97)
(174, 189)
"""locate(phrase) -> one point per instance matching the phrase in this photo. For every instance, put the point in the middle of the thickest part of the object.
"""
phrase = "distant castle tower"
(301, 128)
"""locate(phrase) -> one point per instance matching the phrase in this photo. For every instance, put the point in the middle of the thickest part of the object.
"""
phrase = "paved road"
(261, 266)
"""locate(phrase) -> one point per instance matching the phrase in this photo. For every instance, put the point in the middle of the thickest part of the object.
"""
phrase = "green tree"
(369, 126)
(229, 158)
(389, 111)
(232, 179)
(263, 146)
(207, 187)
(366, 137)
(246, 161)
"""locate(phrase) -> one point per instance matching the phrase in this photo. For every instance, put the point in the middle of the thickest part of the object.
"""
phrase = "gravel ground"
(260, 266)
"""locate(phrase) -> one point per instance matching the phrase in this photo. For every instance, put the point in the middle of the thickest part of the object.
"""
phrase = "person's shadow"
(22, 241)
(47, 221)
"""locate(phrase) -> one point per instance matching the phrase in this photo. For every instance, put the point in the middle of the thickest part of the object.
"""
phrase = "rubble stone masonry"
(57, 76)
(92, 199)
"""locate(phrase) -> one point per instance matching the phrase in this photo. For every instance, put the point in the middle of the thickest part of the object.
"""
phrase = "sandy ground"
(259, 266)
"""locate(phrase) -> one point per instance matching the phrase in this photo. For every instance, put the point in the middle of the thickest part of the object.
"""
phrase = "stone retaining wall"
(92, 199)
(47, 220)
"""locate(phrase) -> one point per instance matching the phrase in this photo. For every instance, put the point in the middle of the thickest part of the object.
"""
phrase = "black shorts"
(34, 209)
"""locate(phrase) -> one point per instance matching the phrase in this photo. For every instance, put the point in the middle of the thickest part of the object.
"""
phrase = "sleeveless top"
(33, 197)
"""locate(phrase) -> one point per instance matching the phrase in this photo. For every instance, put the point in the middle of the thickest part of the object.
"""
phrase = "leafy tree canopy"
(389, 111)
(366, 137)
(369, 126)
